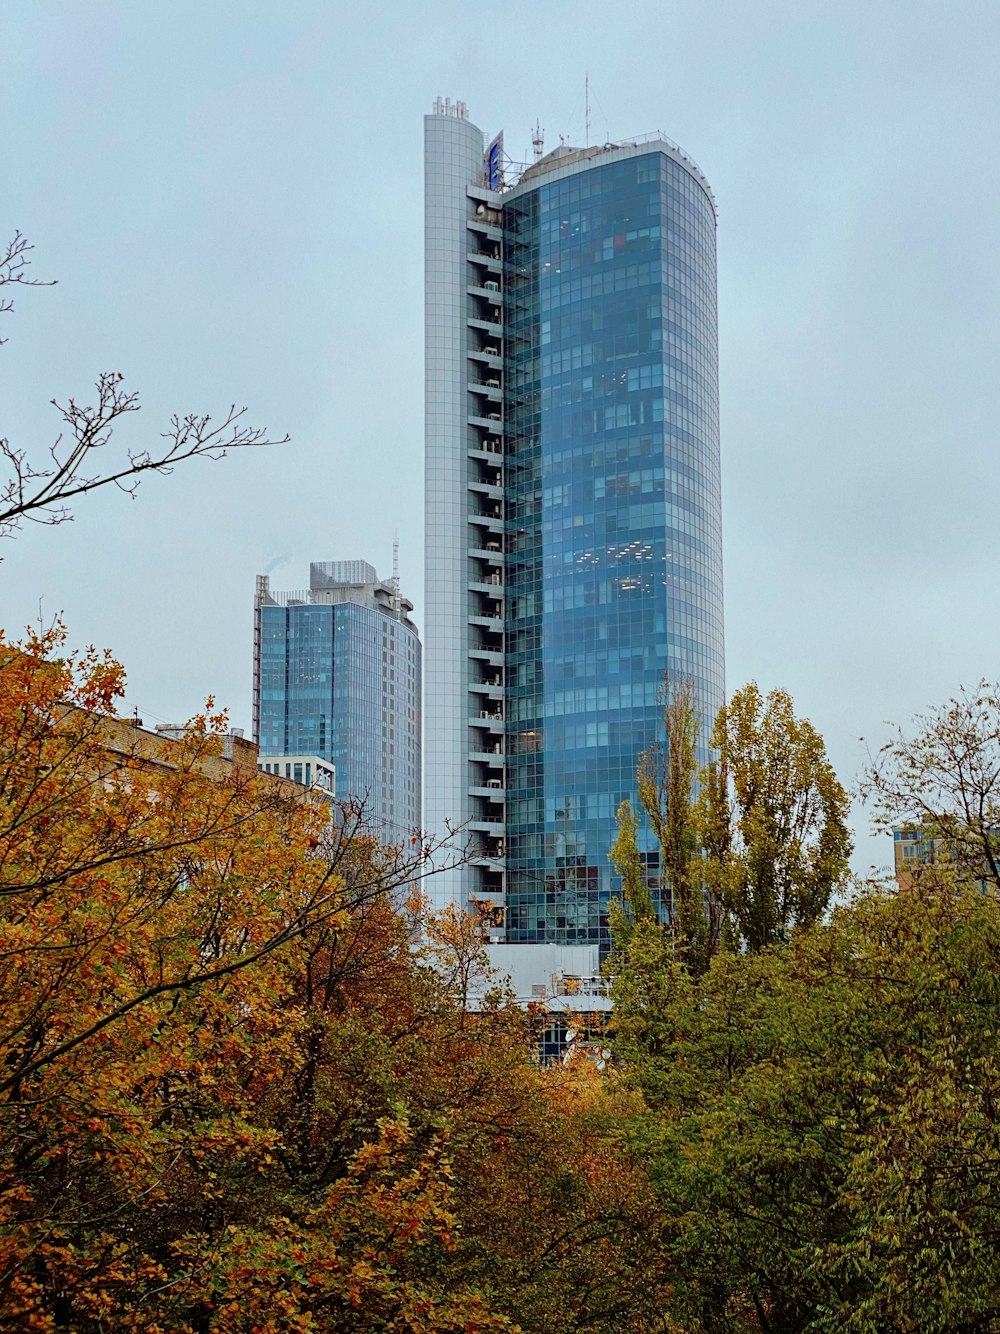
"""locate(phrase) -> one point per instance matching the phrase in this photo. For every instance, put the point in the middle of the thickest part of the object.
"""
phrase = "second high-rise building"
(574, 541)
(337, 675)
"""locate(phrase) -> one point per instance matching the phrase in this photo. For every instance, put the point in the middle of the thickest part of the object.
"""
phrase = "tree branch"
(14, 262)
(41, 493)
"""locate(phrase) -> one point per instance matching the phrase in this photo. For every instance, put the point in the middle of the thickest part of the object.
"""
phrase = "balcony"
(492, 853)
(494, 756)
(485, 361)
(494, 828)
(492, 327)
(488, 793)
(493, 522)
(490, 452)
(490, 607)
(493, 595)
(492, 489)
(491, 644)
(483, 227)
(493, 558)
(491, 422)
(492, 686)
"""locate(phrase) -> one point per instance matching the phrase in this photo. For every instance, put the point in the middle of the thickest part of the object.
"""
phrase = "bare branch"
(41, 494)
(14, 262)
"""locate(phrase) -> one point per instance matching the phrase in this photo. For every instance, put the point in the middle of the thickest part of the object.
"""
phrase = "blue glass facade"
(613, 512)
(343, 682)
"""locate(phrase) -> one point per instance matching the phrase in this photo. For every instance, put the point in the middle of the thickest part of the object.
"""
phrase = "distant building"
(337, 676)
(229, 758)
(310, 770)
(235, 746)
(911, 849)
(928, 855)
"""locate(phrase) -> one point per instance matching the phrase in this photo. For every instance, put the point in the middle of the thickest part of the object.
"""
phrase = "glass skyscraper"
(337, 674)
(574, 541)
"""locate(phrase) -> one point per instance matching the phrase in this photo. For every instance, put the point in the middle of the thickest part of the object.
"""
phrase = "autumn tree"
(773, 817)
(559, 1216)
(169, 936)
(40, 486)
(235, 1095)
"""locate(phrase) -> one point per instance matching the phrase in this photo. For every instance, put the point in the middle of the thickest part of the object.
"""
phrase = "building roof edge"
(564, 161)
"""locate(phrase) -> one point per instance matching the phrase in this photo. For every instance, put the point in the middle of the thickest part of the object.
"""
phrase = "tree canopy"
(236, 1096)
(749, 845)
(775, 818)
(820, 1106)
(822, 1121)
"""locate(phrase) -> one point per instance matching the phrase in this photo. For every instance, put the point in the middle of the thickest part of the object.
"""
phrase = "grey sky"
(230, 195)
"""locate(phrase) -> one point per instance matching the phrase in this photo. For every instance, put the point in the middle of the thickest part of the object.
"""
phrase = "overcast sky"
(230, 195)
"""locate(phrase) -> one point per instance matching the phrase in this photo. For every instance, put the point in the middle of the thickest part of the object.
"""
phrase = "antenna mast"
(586, 102)
(537, 143)
(395, 569)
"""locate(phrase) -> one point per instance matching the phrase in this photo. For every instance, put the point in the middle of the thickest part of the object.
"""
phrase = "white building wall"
(539, 972)
(453, 161)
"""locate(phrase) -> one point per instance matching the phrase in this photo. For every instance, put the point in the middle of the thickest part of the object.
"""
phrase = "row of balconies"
(486, 557)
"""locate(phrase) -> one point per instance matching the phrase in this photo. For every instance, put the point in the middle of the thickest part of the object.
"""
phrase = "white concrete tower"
(463, 655)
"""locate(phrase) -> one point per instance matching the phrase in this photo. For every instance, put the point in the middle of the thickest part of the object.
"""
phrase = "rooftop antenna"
(537, 143)
(395, 568)
(586, 102)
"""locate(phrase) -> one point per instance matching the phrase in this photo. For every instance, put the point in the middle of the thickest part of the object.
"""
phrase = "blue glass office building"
(591, 433)
(337, 674)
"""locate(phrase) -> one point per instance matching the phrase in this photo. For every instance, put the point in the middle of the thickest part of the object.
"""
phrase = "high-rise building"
(573, 504)
(337, 675)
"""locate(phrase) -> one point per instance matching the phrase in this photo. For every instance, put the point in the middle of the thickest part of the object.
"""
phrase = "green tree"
(667, 779)
(773, 817)
(823, 1127)
(628, 862)
(822, 1121)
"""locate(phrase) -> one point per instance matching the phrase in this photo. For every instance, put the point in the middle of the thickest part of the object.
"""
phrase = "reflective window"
(613, 517)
